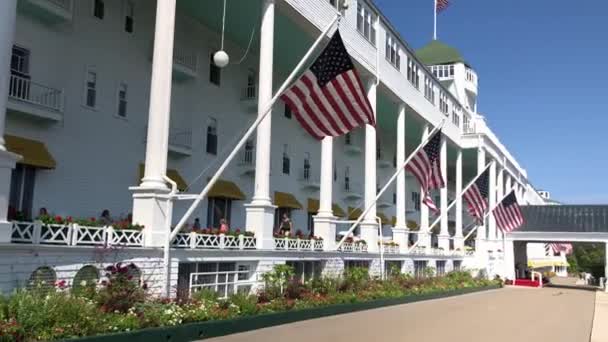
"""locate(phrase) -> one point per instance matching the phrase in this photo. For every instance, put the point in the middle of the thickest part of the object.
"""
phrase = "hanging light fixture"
(221, 58)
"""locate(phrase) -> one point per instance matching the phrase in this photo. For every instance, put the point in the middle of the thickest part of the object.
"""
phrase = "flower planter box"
(208, 329)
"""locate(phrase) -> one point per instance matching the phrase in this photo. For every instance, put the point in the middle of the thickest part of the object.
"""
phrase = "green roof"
(436, 53)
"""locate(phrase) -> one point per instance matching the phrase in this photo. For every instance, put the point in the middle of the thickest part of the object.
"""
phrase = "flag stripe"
(296, 107)
(310, 88)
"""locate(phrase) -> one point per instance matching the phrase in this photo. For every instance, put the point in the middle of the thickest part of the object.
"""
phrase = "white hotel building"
(99, 90)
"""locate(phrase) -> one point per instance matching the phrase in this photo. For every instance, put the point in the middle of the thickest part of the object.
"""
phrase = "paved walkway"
(505, 315)
(600, 328)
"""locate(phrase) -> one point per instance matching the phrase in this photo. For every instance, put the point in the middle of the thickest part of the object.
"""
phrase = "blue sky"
(543, 73)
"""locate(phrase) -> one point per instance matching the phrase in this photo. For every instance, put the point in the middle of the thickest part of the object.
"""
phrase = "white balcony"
(385, 201)
(309, 180)
(351, 145)
(246, 161)
(34, 99)
(185, 63)
(381, 161)
(48, 11)
(249, 98)
(180, 141)
(353, 191)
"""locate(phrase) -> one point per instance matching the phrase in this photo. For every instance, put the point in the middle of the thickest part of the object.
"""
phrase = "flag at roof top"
(426, 168)
(477, 196)
(507, 214)
(441, 5)
(329, 99)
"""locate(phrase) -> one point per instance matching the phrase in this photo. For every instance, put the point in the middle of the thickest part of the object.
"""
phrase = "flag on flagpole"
(477, 197)
(508, 214)
(441, 5)
(561, 247)
(427, 169)
(329, 99)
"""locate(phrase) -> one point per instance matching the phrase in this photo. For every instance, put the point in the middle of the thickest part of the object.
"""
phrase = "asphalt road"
(505, 315)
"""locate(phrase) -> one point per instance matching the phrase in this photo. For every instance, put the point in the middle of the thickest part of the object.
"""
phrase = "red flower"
(92, 219)
(61, 284)
(58, 219)
(237, 231)
(69, 219)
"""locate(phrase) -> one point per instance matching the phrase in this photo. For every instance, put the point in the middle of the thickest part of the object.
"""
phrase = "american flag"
(477, 196)
(427, 169)
(558, 247)
(441, 5)
(507, 214)
(329, 99)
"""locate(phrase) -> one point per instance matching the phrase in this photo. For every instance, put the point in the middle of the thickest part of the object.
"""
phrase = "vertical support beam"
(325, 226)
(458, 242)
(8, 18)
(508, 184)
(499, 192)
(424, 236)
(150, 207)
(369, 226)
(492, 202)
(444, 234)
(509, 262)
(260, 212)
(481, 164)
(400, 231)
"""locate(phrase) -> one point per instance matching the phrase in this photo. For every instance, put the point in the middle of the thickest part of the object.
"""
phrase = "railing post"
(312, 244)
(37, 231)
(222, 241)
(286, 243)
(192, 240)
(109, 235)
(241, 241)
(75, 228)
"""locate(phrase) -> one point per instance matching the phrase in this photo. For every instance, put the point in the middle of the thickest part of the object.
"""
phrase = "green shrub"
(356, 278)
(159, 314)
(121, 292)
(204, 295)
(276, 280)
(247, 304)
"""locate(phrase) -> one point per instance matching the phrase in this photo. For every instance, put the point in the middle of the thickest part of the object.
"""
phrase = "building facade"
(103, 98)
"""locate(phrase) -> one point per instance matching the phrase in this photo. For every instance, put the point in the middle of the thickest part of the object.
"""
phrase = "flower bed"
(121, 305)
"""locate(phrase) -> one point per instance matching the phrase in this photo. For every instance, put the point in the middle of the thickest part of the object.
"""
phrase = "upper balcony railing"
(36, 94)
(181, 138)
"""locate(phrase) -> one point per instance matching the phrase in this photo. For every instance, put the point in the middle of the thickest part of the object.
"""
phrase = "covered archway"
(562, 224)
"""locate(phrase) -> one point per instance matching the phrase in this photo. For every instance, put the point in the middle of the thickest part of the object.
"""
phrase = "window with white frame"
(218, 208)
(21, 198)
(457, 265)
(465, 124)
(443, 102)
(90, 90)
(429, 91)
(122, 100)
(212, 136)
(286, 160)
(456, 116)
(392, 51)
(129, 16)
(419, 268)
(366, 20)
(440, 265)
(305, 270)
(416, 200)
(224, 278)
(99, 9)
(412, 73)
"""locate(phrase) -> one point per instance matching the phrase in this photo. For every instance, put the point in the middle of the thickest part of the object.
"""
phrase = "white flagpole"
(251, 129)
(389, 182)
(453, 203)
(435, 20)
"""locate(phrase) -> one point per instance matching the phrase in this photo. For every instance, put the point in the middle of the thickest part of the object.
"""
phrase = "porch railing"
(195, 240)
(24, 89)
(73, 235)
(290, 244)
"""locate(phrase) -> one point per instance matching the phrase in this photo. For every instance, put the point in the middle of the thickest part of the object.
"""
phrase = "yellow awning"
(286, 200)
(546, 263)
(313, 208)
(171, 173)
(412, 225)
(354, 213)
(226, 189)
(34, 152)
(383, 218)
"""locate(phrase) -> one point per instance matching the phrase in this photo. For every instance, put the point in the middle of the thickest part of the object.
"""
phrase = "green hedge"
(203, 330)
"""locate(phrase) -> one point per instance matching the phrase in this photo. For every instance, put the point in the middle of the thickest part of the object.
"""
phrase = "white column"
(492, 202)
(260, 212)
(481, 164)
(324, 220)
(444, 234)
(508, 184)
(400, 231)
(509, 262)
(424, 236)
(369, 227)
(500, 186)
(458, 242)
(8, 15)
(149, 205)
